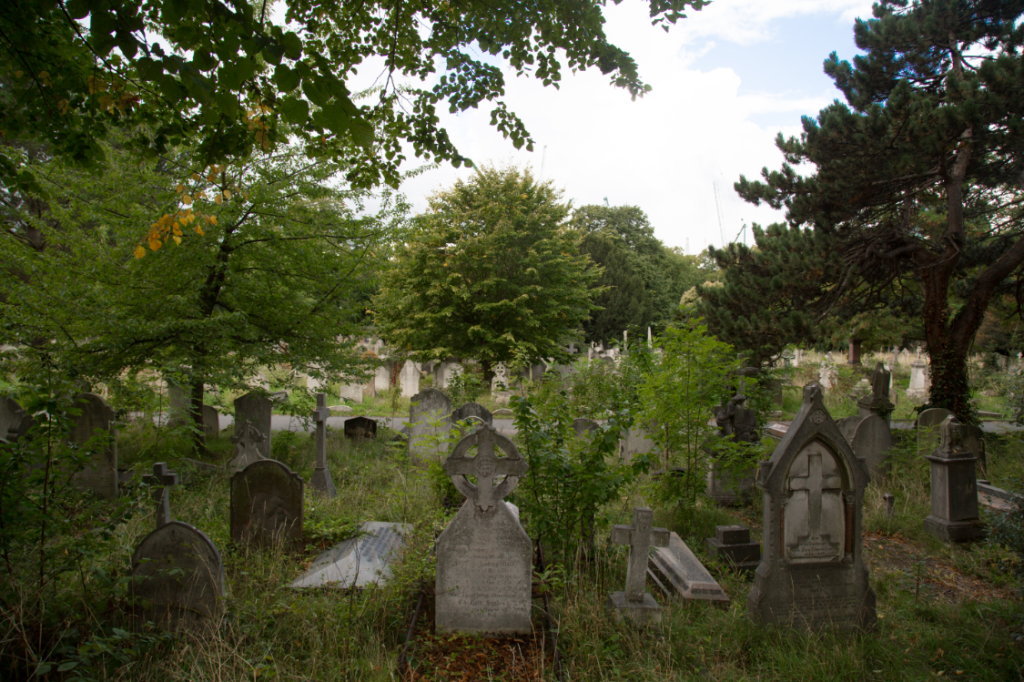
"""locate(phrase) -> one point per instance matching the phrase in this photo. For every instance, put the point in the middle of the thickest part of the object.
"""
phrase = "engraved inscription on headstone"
(484, 566)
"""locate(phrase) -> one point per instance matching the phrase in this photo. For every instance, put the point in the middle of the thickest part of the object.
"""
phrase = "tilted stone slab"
(686, 574)
(358, 561)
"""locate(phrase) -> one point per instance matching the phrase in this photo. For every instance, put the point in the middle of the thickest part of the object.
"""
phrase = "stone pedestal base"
(322, 482)
(951, 531)
(642, 613)
(744, 556)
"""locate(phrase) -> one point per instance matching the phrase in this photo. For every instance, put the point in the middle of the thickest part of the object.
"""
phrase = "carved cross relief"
(486, 466)
(814, 522)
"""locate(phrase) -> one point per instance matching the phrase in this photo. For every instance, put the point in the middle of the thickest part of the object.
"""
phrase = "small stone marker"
(177, 573)
(322, 481)
(634, 602)
(776, 429)
(162, 478)
(584, 426)
(266, 504)
(14, 421)
(473, 410)
(96, 418)
(211, 422)
(919, 382)
(812, 573)
(889, 503)
(257, 409)
(360, 428)
(359, 561)
(732, 544)
(429, 422)
(484, 557)
(246, 439)
(954, 516)
(686, 574)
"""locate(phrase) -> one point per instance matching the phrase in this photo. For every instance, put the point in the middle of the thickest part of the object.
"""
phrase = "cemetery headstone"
(211, 422)
(872, 441)
(954, 516)
(429, 422)
(636, 442)
(14, 421)
(635, 603)
(812, 573)
(853, 357)
(500, 386)
(410, 379)
(322, 481)
(246, 440)
(352, 393)
(732, 544)
(878, 402)
(928, 423)
(731, 486)
(360, 428)
(484, 566)
(96, 419)
(919, 383)
(382, 379)
(256, 409)
(473, 410)
(266, 505)
(177, 572)
(582, 425)
(681, 568)
(179, 400)
(826, 377)
(359, 561)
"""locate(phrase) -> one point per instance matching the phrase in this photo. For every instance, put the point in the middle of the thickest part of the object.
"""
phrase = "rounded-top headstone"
(266, 504)
(932, 417)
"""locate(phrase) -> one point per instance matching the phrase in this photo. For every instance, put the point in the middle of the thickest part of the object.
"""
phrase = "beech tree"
(490, 272)
(917, 195)
(230, 76)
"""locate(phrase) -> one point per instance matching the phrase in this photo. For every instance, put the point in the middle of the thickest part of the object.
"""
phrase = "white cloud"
(665, 151)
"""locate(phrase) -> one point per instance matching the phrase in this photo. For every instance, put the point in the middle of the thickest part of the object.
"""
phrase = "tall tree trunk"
(196, 415)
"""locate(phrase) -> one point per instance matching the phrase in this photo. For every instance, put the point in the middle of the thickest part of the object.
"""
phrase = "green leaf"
(292, 45)
(43, 668)
(232, 76)
(64, 667)
(294, 110)
(286, 79)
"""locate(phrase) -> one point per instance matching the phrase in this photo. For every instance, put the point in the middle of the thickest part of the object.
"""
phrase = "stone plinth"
(812, 574)
(954, 516)
(93, 428)
(732, 544)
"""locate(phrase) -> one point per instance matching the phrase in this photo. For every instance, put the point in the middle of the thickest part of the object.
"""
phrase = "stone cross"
(322, 481)
(639, 537)
(486, 466)
(163, 478)
(815, 484)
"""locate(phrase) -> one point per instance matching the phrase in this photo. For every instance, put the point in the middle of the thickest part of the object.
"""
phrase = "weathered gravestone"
(211, 422)
(322, 481)
(266, 505)
(429, 413)
(872, 440)
(636, 442)
(256, 409)
(352, 392)
(826, 377)
(410, 379)
(360, 428)
(179, 400)
(732, 544)
(878, 402)
(246, 440)
(14, 421)
(177, 572)
(812, 573)
(473, 410)
(732, 486)
(359, 561)
(919, 381)
(634, 602)
(583, 426)
(484, 567)
(928, 423)
(954, 516)
(681, 568)
(96, 419)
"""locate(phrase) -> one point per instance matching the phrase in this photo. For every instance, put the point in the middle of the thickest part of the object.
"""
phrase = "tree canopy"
(489, 272)
(642, 279)
(916, 202)
(231, 76)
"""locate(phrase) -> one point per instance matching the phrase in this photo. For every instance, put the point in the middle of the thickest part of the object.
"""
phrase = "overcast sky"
(725, 81)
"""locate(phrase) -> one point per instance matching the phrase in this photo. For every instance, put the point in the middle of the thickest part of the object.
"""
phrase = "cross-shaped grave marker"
(322, 481)
(162, 477)
(639, 537)
(486, 466)
(815, 484)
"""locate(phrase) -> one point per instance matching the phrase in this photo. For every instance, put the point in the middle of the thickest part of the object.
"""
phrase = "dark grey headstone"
(266, 504)
(473, 410)
(732, 544)
(360, 428)
(812, 573)
(871, 442)
(14, 421)
(429, 424)
(96, 419)
(178, 578)
(257, 409)
(211, 421)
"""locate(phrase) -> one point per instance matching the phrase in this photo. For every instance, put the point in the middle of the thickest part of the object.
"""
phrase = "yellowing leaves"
(140, 251)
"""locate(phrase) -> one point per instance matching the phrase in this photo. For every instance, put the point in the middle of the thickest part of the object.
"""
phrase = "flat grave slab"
(686, 574)
(358, 561)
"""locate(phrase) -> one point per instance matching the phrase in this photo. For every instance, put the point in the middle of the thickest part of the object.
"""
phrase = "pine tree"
(919, 180)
